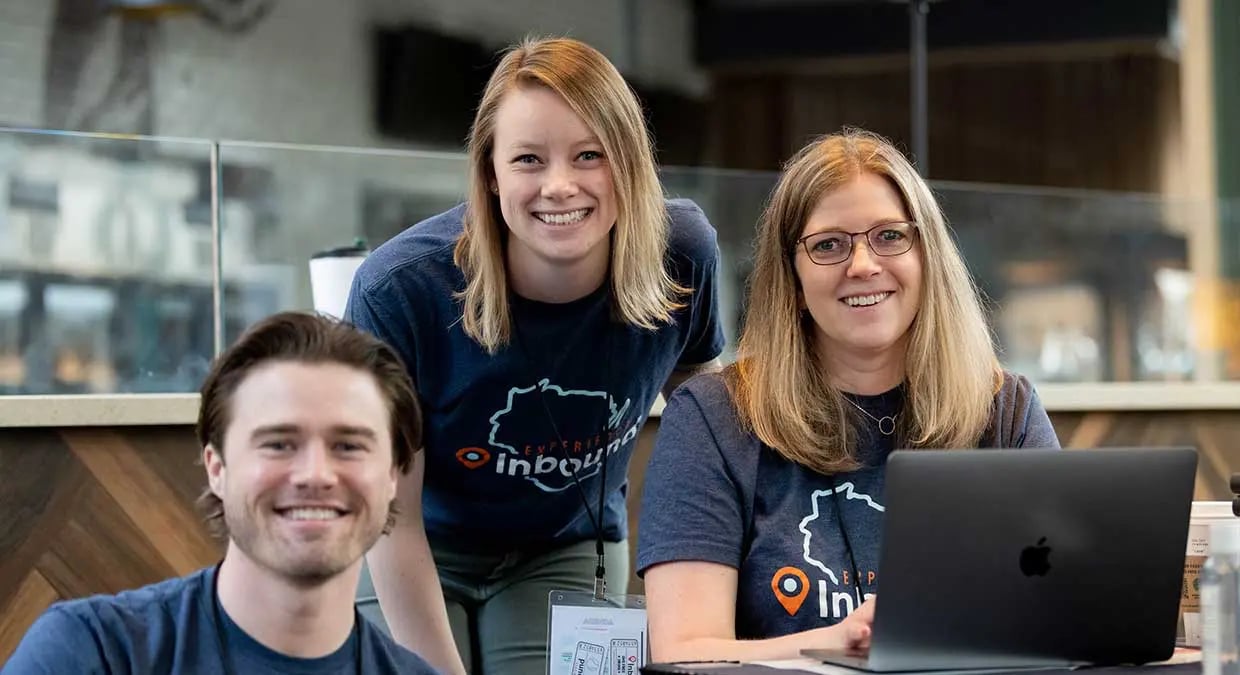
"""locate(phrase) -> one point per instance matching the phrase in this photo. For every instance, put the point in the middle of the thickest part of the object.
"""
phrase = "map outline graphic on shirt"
(850, 493)
(615, 415)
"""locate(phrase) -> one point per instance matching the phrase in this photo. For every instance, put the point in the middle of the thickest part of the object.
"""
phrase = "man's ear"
(395, 480)
(213, 460)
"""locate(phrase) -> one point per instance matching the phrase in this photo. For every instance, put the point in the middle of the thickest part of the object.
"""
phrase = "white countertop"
(98, 410)
(155, 409)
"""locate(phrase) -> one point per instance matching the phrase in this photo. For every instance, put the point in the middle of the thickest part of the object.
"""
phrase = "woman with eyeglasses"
(864, 333)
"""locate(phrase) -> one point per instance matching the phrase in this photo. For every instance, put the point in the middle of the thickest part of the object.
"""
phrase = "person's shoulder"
(428, 244)
(144, 605)
(1019, 418)
(109, 623)
(1015, 388)
(708, 389)
(64, 622)
(708, 397)
(390, 657)
(1014, 398)
(690, 233)
(60, 640)
(701, 424)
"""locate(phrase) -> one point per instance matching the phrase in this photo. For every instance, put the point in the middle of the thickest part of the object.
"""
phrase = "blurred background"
(1087, 153)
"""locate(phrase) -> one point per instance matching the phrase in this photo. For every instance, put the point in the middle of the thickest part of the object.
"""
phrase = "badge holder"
(592, 635)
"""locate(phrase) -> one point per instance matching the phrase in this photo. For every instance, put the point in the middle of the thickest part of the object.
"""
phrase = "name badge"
(590, 636)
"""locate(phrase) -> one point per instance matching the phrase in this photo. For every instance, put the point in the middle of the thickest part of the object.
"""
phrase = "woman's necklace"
(886, 424)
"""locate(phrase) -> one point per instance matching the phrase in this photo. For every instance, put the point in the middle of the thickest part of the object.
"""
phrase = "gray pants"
(497, 604)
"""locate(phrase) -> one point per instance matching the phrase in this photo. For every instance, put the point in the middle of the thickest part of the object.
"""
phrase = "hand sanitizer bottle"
(1220, 596)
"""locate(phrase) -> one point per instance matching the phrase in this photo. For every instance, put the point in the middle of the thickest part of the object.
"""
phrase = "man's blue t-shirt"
(504, 433)
(715, 493)
(169, 627)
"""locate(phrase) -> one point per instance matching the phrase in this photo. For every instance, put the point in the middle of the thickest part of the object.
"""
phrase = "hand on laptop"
(855, 629)
(850, 636)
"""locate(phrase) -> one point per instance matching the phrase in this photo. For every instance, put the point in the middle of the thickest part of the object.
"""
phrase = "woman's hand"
(858, 626)
(851, 634)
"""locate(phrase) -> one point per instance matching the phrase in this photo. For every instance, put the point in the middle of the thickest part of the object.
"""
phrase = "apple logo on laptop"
(1035, 560)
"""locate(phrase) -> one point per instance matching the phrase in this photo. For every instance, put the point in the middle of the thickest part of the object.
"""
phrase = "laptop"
(1002, 559)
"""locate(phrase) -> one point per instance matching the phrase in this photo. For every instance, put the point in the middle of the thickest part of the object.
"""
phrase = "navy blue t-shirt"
(787, 530)
(504, 433)
(169, 627)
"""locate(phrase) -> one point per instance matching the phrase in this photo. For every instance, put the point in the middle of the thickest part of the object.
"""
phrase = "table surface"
(812, 667)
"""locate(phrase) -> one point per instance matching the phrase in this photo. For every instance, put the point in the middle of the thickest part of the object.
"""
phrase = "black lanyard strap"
(852, 559)
(600, 580)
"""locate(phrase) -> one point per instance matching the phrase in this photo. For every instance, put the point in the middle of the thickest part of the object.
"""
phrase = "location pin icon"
(473, 458)
(790, 586)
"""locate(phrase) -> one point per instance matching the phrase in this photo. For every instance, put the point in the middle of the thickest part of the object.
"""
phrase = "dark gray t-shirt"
(715, 493)
(170, 627)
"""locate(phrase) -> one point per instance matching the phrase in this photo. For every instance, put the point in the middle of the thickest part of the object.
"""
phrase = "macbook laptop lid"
(1012, 558)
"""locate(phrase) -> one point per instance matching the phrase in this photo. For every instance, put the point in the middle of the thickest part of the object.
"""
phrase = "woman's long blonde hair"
(643, 293)
(779, 385)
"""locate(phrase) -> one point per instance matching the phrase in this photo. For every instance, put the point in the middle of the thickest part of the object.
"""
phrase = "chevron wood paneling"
(94, 510)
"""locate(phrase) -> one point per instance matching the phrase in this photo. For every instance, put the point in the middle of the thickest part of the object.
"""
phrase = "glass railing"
(1087, 286)
(105, 264)
(282, 204)
(114, 252)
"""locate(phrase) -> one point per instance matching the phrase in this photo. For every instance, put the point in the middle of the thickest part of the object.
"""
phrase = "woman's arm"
(407, 582)
(692, 612)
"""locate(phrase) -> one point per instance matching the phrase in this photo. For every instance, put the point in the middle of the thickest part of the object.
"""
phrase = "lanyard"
(835, 493)
(221, 640)
(852, 559)
(600, 582)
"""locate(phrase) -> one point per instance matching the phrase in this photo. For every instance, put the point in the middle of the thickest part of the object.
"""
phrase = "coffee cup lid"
(358, 249)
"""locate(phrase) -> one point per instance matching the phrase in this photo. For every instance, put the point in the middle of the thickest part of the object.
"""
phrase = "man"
(305, 425)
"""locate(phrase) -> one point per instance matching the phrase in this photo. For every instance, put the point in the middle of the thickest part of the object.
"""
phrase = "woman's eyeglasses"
(832, 248)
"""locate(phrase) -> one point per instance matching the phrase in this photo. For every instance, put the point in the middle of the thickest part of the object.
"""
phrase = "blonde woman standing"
(540, 320)
(864, 334)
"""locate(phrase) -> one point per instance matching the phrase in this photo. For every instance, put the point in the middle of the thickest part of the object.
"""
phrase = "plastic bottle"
(1220, 598)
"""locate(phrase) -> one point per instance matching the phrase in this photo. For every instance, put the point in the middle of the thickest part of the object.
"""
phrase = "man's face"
(308, 475)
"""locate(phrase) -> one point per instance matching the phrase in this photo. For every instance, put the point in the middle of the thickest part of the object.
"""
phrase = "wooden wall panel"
(31, 597)
(1215, 434)
(94, 510)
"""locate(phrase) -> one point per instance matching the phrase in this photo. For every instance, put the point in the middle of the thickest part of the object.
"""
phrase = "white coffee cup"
(1200, 518)
(331, 275)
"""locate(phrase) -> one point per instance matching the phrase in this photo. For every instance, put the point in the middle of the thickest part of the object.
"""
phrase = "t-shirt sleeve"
(58, 642)
(1019, 419)
(692, 504)
(1038, 431)
(370, 309)
(695, 238)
